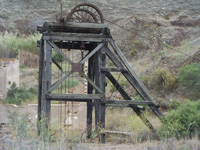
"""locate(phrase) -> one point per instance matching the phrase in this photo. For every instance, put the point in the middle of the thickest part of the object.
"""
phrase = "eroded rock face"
(146, 22)
(36, 10)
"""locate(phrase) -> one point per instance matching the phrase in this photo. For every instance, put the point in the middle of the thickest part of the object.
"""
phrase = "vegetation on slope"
(189, 79)
(18, 95)
(183, 122)
(12, 43)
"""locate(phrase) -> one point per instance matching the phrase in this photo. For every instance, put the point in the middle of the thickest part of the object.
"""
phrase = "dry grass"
(125, 120)
(11, 43)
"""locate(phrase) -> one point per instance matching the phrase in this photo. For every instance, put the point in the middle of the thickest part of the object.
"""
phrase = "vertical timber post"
(40, 86)
(89, 91)
(45, 84)
(100, 80)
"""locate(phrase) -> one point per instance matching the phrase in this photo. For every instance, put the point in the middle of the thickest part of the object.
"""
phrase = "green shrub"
(22, 66)
(145, 80)
(163, 79)
(58, 58)
(136, 47)
(189, 80)
(18, 95)
(184, 121)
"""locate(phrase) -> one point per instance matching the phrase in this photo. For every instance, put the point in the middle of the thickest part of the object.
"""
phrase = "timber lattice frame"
(98, 42)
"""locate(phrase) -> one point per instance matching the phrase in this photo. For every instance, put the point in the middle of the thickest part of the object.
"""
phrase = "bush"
(163, 79)
(17, 95)
(58, 58)
(189, 79)
(136, 47)
(184, 121)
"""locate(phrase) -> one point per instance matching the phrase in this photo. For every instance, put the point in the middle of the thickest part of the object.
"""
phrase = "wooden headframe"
(97, 39)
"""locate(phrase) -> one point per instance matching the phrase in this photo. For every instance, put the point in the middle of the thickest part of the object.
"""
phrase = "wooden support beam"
(66, 97)
(69, 100)
(126, 97)
(74, 45)
(144, 92)
(45, 84)
(133, 81)
(76, 25)
(92, 53)
(40, 87)
(57, 65)
(117, 86)
(90, 91)
(125, 102)
(59, 82)
(113, 70)
(125, 105)
(117, 105)
(91, 82)
(76, 37)
(60, 52)
(72, 27)
(100, 61)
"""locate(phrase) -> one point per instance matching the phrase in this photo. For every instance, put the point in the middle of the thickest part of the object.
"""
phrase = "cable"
(65, 90)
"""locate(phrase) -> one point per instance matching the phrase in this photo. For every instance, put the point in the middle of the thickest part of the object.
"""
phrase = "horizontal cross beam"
(68, 97)
(134, 102)
(113, 70)
(76, 37)
(60, 52)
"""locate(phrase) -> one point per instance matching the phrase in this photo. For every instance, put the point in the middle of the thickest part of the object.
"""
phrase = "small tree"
(189, 79)
(182, 122)
(18, 95)
(58, 58)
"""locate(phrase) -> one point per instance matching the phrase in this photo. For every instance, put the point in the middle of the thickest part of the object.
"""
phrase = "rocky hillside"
(151, 33)
(152, 23)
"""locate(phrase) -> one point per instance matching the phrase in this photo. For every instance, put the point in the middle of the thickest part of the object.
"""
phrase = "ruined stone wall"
(9, 73)
(3, 80)
(28, 59)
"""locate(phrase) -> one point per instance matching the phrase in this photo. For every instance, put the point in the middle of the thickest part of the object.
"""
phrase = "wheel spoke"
(86, 13)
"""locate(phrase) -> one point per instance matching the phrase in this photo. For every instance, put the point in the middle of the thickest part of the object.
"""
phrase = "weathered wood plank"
(66, 97)
(59, 82)
(113, 70)
(60, 52)
(57, 65)
(74, 45)
(77, 25)
(132, 72)
(92, 53)
(126, 97)
(132, 81)
(48, 76)
(91, 82)
(45, 83)
(102, 84)
(125, 105)
(117, 105)
(90, 91)
(70, 100)
(118, 132)
(127, 102)
(76, 37)
(117, 86)
(40, 86)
